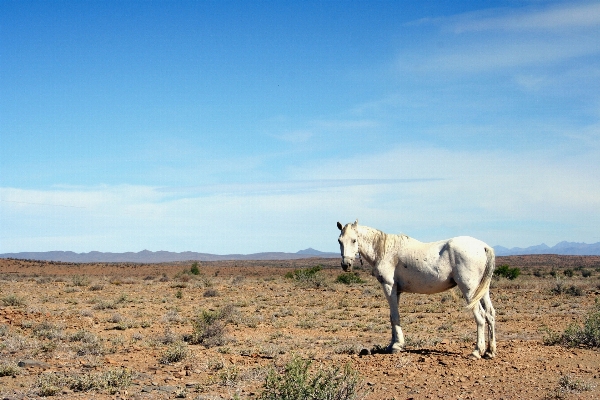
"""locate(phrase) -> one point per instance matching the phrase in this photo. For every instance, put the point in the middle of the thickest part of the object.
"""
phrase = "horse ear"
(355, 223)
(339, 226)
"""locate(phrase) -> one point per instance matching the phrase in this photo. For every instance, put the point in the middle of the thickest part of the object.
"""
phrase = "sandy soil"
(83, 320)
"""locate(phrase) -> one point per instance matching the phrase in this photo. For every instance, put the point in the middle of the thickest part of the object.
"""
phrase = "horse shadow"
(422, 352)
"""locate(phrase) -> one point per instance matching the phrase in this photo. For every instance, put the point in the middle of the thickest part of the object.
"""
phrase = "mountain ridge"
(563, 248)
(147, 256)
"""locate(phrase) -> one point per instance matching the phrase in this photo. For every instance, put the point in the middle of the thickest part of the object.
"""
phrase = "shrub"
(587, 335)
(13, 300)
(194, 269)
(9, 369)
(79, 280)
(208, 328)
(307, 276)
(47, 330)
(174, 353)
(568, 272)
(50, 384)
(505, 271)
(349, 278)
(537, 273)
(296, 382)
(211, 293)
(96, 286)
(567, 385)
(560, 288)
(586, 273)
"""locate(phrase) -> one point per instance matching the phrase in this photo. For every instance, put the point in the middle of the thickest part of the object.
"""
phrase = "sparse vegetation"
(80, 280)
(194, 269)
(575, 335)
(568, 385)
(211, 293)
(13, 300)
(561, 287)
(176, 352)
(9, 369)
(296, 382)
(208, 328)
(52, 383)
(307, 276)
(507, 272)
(349, 278)
(275, 318)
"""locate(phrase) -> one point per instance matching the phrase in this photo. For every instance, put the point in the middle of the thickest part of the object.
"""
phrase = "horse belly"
(425, 281)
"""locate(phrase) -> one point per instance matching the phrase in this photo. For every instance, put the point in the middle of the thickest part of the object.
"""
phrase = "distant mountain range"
(562, 248)
(146, 256)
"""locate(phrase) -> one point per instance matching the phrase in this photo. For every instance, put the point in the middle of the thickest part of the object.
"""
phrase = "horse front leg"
(393, 297)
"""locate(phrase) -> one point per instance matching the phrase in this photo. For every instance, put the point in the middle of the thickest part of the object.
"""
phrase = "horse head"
(348, 241)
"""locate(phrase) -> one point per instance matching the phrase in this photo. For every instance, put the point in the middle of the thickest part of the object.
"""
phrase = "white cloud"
(570, 16)
(508, 199)
(497, 39)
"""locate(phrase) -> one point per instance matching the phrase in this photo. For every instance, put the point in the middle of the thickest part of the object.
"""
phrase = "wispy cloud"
(284, 187)
(570, 16)
(496, 39)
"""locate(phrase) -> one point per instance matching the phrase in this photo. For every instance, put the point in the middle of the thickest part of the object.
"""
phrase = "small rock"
(33, 364)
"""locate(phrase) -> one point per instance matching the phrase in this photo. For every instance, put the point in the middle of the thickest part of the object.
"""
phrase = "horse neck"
(369, 243)
(373, 244)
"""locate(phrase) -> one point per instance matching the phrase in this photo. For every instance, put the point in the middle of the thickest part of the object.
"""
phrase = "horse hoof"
(395, 350)
(489, 355)
(475, 355)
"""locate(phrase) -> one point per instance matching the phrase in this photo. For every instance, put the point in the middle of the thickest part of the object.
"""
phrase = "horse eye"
(354, 241)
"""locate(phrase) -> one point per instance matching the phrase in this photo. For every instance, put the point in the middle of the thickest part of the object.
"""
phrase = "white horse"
(403, 264)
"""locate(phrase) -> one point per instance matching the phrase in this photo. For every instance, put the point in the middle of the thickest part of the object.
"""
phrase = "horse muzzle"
(346, 264)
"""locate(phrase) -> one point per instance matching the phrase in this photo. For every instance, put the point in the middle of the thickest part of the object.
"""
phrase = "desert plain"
(130, 331)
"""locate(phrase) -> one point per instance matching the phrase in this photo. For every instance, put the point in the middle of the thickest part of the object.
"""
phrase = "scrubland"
(222, 330)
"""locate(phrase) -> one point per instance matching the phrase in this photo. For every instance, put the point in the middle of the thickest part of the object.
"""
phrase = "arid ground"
(127, 331)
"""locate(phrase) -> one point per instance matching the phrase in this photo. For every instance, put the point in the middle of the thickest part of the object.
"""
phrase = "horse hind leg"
(480, 318)
(479, 314)
(490, 317)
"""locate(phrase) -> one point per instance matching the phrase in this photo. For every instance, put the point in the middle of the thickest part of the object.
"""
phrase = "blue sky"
(240, 127)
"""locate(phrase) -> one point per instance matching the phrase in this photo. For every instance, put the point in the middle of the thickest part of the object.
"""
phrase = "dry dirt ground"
(127, 321)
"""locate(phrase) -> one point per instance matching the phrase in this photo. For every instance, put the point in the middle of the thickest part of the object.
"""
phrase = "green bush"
(349, 278)
(297, 383)
(568, 272)
(194, 269)
(304, 273)
(575, 335)
(505, 271)
(307, 276)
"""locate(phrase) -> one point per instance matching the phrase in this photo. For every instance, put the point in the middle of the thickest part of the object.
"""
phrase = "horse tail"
(486, 279)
